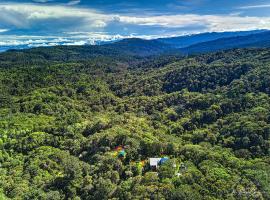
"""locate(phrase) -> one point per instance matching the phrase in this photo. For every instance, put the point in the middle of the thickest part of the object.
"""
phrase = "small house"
(154, 162)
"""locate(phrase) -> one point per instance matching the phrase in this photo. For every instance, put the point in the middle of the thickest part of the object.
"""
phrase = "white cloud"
(255, 6)
(72, 38)
(31, 15)
(74, 2)
(70, 3)
(23, 15)
(3, 30)
(211, 22)
(42, 1)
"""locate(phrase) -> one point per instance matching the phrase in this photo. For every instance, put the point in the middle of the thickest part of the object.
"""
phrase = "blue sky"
(49, 22)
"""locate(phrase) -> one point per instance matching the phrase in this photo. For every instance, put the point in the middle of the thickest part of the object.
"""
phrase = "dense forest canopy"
(83, 122)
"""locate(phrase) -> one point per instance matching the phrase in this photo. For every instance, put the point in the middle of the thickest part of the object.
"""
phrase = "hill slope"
(124, 49)
(140, 47)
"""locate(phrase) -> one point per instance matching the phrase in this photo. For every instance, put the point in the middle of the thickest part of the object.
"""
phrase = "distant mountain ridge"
(188, 40)
(195, 44)
(256, 40)
(123, 48)
(136, 46)
(192, 44)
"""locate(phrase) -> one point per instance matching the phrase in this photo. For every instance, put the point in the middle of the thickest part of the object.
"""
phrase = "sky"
(72, 22)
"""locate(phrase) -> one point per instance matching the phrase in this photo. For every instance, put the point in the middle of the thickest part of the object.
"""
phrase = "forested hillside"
(83, 122)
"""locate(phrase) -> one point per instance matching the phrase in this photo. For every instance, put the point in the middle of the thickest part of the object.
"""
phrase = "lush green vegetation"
(63, 112)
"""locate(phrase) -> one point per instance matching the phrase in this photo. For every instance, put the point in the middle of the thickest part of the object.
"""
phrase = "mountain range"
(196, 44)
(190, 44)
(188, 40)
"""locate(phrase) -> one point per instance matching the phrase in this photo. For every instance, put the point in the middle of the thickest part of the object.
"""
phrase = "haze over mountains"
(188, 40)
(199, 43)
(189, 44)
